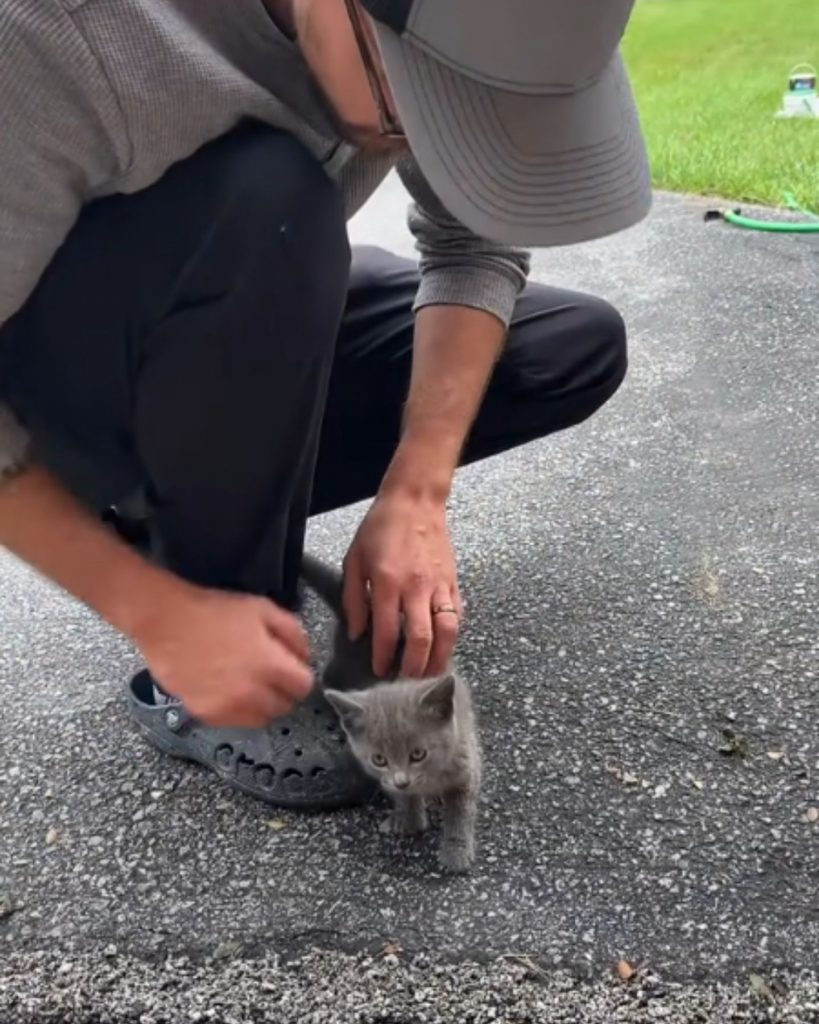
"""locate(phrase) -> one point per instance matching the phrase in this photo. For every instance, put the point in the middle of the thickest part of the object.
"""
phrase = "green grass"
(709, 77)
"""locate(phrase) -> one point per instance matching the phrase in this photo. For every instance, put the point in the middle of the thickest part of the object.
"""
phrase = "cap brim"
(518, 168)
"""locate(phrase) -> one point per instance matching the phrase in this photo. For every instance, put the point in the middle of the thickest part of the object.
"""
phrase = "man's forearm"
(456, 349)
(46, 527)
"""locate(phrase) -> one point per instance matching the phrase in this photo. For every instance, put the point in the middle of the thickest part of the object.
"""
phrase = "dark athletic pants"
(212, 340)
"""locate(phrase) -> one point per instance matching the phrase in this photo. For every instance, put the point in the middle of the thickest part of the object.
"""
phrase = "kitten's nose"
(400, 781)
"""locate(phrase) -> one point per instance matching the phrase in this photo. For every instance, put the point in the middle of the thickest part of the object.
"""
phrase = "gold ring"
(444, 609)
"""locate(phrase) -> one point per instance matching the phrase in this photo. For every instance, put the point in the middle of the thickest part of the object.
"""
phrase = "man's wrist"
(42, 523)
(141, 600)
(420, 471)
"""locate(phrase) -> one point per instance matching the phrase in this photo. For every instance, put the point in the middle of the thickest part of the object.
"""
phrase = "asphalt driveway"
(643, 644)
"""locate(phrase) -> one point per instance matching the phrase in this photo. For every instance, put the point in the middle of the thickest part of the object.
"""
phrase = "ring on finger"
(444, 609)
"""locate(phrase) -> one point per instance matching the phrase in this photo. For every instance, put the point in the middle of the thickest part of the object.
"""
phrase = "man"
(180, 314)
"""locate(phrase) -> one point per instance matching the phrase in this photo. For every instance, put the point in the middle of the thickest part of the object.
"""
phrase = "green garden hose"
(792, 227)
(736, 217)
(792, 202)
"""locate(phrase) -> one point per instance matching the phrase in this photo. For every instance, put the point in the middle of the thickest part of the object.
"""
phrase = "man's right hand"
(232, 659)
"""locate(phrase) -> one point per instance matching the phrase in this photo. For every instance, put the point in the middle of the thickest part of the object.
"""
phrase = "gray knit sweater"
(102, 96)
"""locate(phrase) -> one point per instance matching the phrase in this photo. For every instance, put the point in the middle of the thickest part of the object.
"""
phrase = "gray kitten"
(418, 739)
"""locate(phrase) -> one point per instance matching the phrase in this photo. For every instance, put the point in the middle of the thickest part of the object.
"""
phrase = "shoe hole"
(292, 773)
(331, 727)
(224, 755)
(317, 711)
(285, 731)
(298, 752)
(318, 770)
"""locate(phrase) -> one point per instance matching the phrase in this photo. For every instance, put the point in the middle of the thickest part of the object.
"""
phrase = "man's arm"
(402, 553)
(402, 550)
(235, 660)
(42, 524)
(455, 351)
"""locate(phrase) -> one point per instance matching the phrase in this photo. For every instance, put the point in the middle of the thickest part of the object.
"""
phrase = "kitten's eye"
(379, 760)
(418, 755)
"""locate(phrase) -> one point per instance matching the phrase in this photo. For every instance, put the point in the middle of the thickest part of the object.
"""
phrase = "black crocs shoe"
(301, 762)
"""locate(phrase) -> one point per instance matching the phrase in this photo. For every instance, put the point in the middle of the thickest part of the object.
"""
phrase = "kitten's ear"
(350, 711)
(438, 699)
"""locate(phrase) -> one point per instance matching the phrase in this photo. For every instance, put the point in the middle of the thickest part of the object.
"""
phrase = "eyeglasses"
(388, 119)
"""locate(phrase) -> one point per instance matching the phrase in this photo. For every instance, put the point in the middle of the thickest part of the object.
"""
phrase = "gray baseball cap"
(520, 113)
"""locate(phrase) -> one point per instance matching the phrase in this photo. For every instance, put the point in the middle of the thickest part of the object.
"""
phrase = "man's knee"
(248, 340)
(271, 197)
(574, 348)
(607, 340)
(275, 173)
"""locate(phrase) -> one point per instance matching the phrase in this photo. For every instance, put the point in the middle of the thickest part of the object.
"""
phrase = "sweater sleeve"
(61, 139)
(457, 267)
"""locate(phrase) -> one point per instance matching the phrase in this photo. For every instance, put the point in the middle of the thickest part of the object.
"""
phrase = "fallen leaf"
(7, 909)
(625, 972)
(761, 988)
(533, 971)
(734, 745)
(52, 836)
(709, 583)
(812, 815)
(276, 824)
(225, 950)
(776, 755)
(628, 778)
(779, 988)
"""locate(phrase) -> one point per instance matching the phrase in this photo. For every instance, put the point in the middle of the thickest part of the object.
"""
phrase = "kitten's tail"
(324, 580)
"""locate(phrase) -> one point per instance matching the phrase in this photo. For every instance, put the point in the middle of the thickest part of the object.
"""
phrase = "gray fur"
(425, 731)
(350, 665)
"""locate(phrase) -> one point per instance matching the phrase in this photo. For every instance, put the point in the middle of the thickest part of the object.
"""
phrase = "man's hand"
(232, 659)
(401, 558)
(400, 568)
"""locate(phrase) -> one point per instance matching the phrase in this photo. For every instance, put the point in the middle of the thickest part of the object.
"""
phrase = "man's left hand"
(400, 570)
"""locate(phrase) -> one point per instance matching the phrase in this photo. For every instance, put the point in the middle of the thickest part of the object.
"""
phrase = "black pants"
(212, 339)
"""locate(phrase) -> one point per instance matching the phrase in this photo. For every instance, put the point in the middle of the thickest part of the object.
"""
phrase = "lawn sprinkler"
(801, 99)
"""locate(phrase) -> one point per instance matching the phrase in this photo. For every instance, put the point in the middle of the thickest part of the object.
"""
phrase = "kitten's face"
(402, 733)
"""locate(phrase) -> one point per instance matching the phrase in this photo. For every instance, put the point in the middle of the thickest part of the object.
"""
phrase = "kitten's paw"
(404, 825)
(457, 860)
(387, 826)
